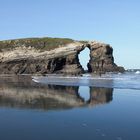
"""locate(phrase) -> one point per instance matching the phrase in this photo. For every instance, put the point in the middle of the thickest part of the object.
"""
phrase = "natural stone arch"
(27, 59)
(84, 58)
(101, 58)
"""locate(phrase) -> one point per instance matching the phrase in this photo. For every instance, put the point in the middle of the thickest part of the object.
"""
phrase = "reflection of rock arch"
(21, 92)
(100, 95)
(84, 93)
(96, 95)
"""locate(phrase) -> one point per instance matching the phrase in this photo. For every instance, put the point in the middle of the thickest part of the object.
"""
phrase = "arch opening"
(84, 58)
(84, 93)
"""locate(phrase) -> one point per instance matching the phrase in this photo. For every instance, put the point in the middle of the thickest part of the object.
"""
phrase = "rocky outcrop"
(23, 57)
(101, 58)
(32, 61)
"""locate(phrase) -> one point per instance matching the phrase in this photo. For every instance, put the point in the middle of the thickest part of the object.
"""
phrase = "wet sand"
(30, 110)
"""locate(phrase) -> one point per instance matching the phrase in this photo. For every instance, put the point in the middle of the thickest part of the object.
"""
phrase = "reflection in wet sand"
(22, 92)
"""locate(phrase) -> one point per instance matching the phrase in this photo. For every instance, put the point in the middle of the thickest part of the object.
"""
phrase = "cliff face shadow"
(22, 92)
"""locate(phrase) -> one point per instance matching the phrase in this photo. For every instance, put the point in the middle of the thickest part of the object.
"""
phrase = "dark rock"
(101, 59)
(61, 60)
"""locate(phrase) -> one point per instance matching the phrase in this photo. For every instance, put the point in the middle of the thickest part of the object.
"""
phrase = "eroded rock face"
(61, 60)
(28, 60)
(101, 58)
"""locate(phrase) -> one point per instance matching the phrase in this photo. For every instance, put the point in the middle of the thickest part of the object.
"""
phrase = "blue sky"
(116, 22)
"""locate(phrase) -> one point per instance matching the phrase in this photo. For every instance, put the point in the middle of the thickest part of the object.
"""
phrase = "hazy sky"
(116, 22)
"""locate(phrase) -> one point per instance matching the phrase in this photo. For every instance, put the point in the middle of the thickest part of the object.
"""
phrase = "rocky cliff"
(101, 58)
(54, 55)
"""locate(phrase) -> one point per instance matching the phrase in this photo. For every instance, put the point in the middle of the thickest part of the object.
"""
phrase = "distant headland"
(54, 55)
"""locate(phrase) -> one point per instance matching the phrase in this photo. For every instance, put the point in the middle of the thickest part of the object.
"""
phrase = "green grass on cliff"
(42, 44)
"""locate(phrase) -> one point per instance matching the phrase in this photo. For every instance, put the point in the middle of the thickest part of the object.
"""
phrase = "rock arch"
(101, 58)
(62, 60)
(84, 58)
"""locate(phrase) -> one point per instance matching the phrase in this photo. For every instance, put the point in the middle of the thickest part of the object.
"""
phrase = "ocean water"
(105, 107)
(127, 80)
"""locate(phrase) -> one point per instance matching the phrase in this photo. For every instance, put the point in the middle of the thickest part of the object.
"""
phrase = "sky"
(115, 22)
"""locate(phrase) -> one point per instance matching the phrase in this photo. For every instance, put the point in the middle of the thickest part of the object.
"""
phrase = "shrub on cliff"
(46, 43)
